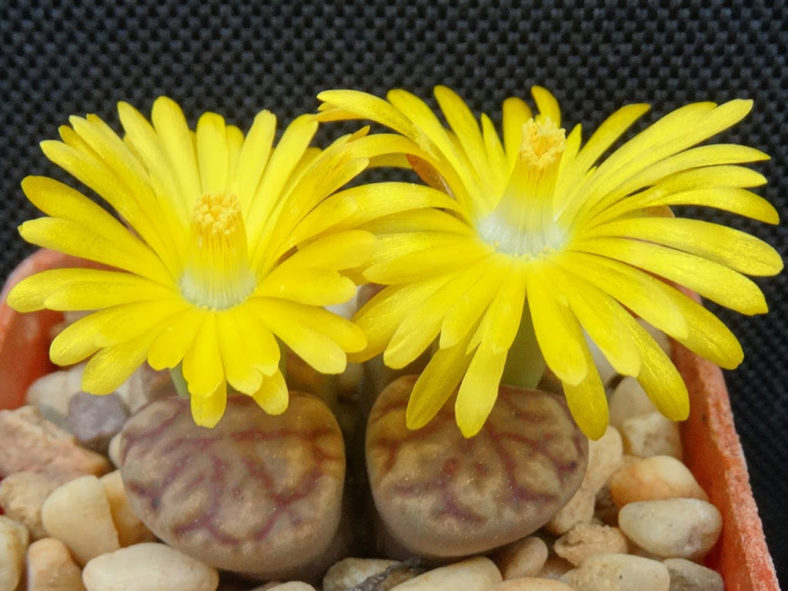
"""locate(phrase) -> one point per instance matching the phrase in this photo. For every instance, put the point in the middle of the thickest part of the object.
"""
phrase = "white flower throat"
(217, 274)
(523, 224)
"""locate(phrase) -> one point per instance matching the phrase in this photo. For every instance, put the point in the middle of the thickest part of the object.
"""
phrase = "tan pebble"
(350, 572)
(586, 539)
(21, 496)
(650, 479)
(659, 337)
(554, 568)
(524, 558)
(672, 528)
(651, 434)
(78, 514)
(148, 567)
(13, 544)
(628, 400)
(475, 574)
(618, 572)
(532, 584)
(130, 528)
(51, 568)
(30, 442)
(686, 575)
(113, 451)
(56, 389)
(604, 458)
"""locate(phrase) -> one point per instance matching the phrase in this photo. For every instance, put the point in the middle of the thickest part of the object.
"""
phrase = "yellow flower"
(216, 254)
(585, 242)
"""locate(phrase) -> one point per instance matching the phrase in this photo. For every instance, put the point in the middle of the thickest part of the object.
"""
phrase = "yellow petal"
(587, 402)
(239, 365)
(173, 131)
(380, 317)
(436, 384)
(213, 155)
(555, 326)
(340, 250)
(733, 248)
(253, 158)
(315, 335)
(463, 315)
(712, 280)
(202, 363)
(111, 366)
(366, 106)
(175, 338)
(464, 125)
(638, 291)
(547, 104)
(273, 396)
(659, 378)
(515, 114)
(314, 287)
(604, 320)
(208, 410)
(479, 390)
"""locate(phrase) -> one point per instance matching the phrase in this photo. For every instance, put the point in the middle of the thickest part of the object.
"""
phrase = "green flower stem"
(524, 364)
(179, 381)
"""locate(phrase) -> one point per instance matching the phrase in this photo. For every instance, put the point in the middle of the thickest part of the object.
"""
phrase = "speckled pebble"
(618, 572)
(651, 434)
(148, 567)
(587, 539)
(672, 528)
(21, 496)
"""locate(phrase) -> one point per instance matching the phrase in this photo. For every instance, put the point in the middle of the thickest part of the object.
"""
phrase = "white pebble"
(628, 400)
(686, 575)
(618, 572)
(475, 574)
(56, 389)
(651, 434)
(78, 514)
(13, 544)
(672, 528)
(148, 567)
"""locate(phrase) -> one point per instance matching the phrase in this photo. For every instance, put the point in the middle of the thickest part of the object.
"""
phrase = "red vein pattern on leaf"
(500, 440)
(216, 480)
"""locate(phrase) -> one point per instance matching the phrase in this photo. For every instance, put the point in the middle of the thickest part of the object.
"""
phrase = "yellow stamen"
(522, 224)
(217, 274)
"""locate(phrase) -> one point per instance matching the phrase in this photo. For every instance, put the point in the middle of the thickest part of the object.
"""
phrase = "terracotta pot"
(711, 445)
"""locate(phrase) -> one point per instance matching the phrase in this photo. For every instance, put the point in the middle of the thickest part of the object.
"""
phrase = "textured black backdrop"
(57, 60)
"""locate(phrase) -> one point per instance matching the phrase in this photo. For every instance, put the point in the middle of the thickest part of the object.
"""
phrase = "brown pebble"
(29, 442)
(94, 420)
(21, 496)
(524, 558)
(587, 539)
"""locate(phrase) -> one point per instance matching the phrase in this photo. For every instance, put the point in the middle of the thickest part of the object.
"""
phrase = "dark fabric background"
(58, 59)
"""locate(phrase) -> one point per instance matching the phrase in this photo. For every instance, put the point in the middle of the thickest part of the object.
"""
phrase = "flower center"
(217, 273)
(522, 224)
